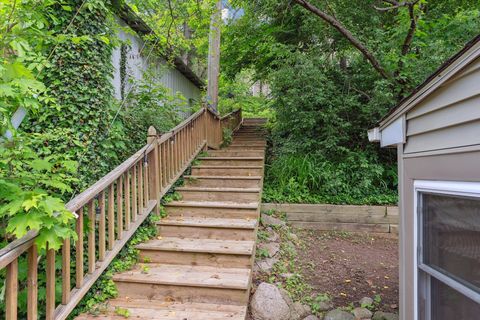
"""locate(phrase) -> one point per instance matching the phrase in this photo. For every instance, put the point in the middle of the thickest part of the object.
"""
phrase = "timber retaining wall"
(378, 219)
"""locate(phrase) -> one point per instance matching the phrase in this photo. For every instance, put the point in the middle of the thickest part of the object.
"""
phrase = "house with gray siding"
(436, 131)
(178, 78)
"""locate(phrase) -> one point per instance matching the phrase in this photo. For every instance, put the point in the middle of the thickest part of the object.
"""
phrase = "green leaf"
(20, 224)
(41, 165)
(6, 90)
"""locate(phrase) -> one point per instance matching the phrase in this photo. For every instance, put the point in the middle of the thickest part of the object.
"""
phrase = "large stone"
(298, 311)
(268, 304)
(266, 265)
(294, 237)
(362, 313)
(272, 235)
(380, 315)
(338, 314)
(324, 305)
(366, 301)
(311, 317)
(271, 221)
(272, 248)
(286, 297)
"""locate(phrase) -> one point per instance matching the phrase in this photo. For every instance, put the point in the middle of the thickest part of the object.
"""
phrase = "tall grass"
(355, 179)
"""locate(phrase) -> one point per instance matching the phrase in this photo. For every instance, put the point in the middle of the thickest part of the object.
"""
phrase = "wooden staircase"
(200, 266)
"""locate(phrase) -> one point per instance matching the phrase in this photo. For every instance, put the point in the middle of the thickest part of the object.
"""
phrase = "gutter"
(374, 135)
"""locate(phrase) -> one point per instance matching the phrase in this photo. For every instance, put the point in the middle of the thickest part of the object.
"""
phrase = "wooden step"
(248, 143)
(236, 153)
(256, 135)
(198, 252)
(203, 209)
(208, 228)
(223, 181)
(183, 283)
(238, 195)
(232, 161)
(227, 170)
(248, 139)
(245, 148)
(168, 310)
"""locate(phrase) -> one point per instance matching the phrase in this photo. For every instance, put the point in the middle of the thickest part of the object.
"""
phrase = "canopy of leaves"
(324, 92)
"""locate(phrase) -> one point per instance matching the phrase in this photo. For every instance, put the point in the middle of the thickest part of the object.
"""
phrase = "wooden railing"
(116, 205)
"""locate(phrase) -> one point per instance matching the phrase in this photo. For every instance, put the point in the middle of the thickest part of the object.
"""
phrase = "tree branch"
(411, 31)
(347, 34)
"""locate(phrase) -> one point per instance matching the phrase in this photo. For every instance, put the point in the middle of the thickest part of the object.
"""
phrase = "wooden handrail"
(115, 205)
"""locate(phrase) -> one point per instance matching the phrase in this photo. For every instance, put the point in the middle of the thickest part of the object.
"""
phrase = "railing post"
(154, 181)
(205, 128)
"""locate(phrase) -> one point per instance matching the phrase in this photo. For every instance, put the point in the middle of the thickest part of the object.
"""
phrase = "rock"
(338, 314)
(271, 221)
(268, 304)
(286, 297)
(324, 305)
(366, 301)
(271, 247)
(362, 313)
(311, 317)
(273, 236)
(266, 265)
(380, 315)
(294, 237)
(299, 311)
(286, 275)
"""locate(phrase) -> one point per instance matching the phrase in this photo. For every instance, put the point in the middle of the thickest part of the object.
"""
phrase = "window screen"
(449, 233)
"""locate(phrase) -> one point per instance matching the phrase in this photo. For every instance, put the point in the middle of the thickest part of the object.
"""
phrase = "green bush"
(314, 179)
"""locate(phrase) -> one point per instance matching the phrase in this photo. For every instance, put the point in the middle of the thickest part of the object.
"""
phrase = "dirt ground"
(350, 266)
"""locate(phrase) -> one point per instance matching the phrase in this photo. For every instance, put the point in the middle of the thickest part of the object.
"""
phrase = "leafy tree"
(335, 67)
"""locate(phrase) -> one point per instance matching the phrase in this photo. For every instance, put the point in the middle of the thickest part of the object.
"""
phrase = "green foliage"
(325, 95)
(227, 137)
(315, 179)
(150, 104)
(104, 288)
(316, 302)
(79, 79)
(236, 93)
(182, 27)
(30, 187)
(122, 312)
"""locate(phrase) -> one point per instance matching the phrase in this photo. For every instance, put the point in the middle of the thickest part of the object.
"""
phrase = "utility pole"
(214, 56)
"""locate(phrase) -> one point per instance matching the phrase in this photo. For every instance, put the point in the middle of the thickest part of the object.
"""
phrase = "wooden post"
(32, 283)
(214, 56)
(50, 285)
(66, 271)
(11, 290)
(79, 251)
(153, 171)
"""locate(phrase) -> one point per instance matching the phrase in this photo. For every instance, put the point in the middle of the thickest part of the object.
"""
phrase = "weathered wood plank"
(11, 291)
(111, 217)
(91, 236)
(79, 251)
(32, 283)
(120, 207)
(352, 227)
(101, 227)
(50, 286)
(360, 217)
(134, 194)
(127, 200)
(66, 271)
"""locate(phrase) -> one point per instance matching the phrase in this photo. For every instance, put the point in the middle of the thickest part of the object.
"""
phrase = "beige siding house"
(436, 131)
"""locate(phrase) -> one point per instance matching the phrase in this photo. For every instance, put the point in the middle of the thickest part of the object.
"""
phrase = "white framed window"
(447, 264)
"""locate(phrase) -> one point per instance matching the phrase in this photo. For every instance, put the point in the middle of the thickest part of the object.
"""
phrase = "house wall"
(448, 118)
(137, 63)
(462, 166)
